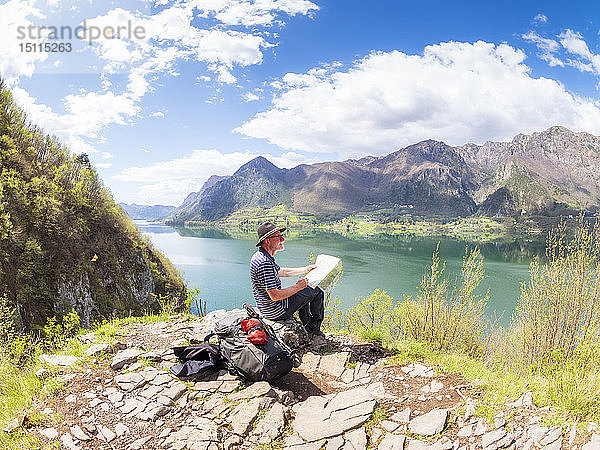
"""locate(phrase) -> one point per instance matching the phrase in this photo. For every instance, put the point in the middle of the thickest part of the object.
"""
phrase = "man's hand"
(310, 267)
(301, 283)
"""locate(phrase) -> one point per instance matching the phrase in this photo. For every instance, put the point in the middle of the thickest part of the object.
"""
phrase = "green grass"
(20, 389)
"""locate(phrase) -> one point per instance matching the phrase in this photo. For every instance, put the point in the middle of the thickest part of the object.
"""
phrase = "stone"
(70, 398)
(392, 442)
(139, 443)
(493, 436)
(123, 357)
(537, 432)
(335, 443)
(290, 331)
(115, 397)
(430, 423)
(389, 426)
(499, 421)
(98, 349)
(129, 405)
(121, 429)
(334, 364)
(130, 381)
(551, 436)
(526, 400)
(465, 431)
(60, 360)
(78, 433)
(348, 375)
(357, 439)
(415, 444)
(244, 414)
(593, 444)
(258, 389)
(232, 442)
(107, 433)
(322, 417)
(378, 391)
(49, 433)
(229, 386)
(272, 424)
(480, 428)
(67, 442)
(418, 370)
(436, 386)
(310, 362)
(402, 416)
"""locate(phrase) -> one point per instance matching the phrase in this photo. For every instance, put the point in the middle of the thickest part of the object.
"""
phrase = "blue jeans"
(310, 305)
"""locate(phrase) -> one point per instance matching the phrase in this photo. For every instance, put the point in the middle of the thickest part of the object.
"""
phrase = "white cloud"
(87, 113)
(158, 114)
(455, 92)
(548, 48)
(14, 62)
(171, 181)
(106, 155)
(145, 150)
(250, 97)
(540, 18)
(103, 165)
(250, 13)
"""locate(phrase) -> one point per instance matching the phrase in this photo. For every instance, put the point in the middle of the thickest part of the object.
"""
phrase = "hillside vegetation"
(64, 243)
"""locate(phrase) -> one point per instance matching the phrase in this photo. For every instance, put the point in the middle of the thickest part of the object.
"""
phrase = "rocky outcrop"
(347, 394)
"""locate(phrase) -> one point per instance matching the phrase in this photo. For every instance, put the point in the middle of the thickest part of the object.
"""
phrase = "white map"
(327, 269)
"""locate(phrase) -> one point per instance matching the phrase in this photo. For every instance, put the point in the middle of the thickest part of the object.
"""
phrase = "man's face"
(275, 242)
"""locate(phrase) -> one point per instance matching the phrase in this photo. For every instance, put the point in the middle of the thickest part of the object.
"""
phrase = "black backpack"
(265, 362)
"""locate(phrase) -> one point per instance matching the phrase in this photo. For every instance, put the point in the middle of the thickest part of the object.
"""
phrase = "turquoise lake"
(218, 265)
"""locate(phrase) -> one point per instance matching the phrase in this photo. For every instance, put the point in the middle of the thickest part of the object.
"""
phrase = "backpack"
(198, 360)
(255, 362)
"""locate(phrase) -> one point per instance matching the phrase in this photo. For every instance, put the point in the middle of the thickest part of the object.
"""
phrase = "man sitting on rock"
(273, 302)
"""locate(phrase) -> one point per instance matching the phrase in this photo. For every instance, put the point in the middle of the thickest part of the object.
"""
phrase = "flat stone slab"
(320, 417)
(429, 424)
(98, 349)
(259, 389)
(60, 360)
(333, 364)
(123, 357)
(392, 442)
(130, 381)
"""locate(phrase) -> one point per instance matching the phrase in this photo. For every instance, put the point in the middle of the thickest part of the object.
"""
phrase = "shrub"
(445, 317)
(57, 332)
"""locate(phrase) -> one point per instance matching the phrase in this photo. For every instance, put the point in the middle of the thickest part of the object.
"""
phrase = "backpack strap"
(251, 311)
(210, 334)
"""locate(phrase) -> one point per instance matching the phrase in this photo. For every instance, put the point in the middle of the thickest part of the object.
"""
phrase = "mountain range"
(146, 212)
(544, 173)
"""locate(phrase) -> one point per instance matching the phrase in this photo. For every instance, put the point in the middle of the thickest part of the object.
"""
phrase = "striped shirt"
(264, 277)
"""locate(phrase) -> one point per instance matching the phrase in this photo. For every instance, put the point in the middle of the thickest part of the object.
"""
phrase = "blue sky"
(214, 83)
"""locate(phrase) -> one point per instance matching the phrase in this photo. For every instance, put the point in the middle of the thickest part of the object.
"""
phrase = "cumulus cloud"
(86, 114)
(250, 97)
(455, 92)
(15, 63)
(540, 18)
(171, 181)
(169, 34)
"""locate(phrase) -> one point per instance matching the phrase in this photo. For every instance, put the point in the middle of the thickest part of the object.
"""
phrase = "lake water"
(218, 265)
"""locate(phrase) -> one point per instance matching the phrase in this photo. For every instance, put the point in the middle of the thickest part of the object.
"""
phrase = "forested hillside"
(64, 243)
